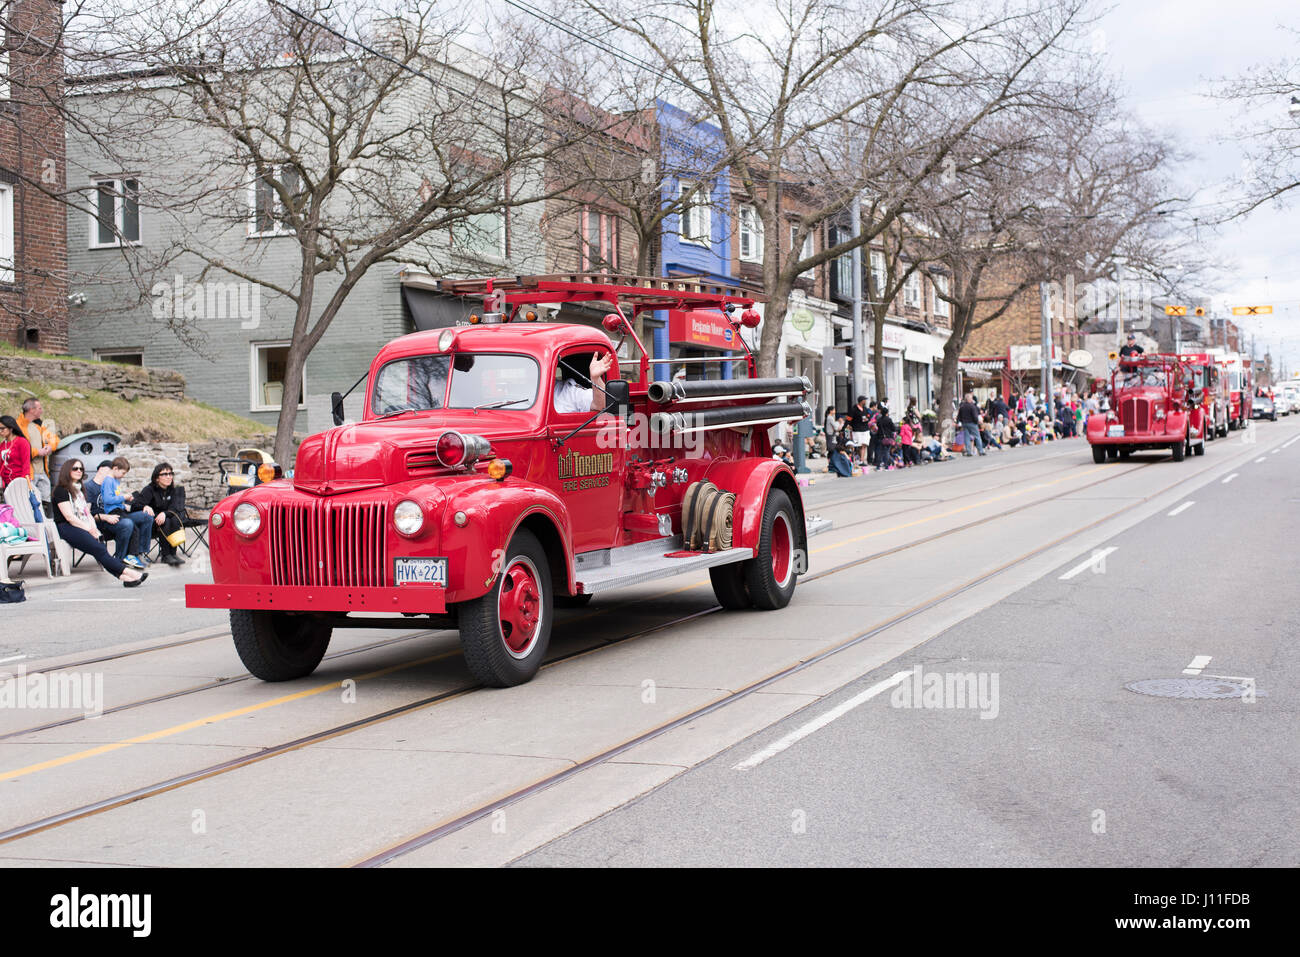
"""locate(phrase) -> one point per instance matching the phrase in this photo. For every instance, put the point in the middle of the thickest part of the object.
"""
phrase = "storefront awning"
(982, 365)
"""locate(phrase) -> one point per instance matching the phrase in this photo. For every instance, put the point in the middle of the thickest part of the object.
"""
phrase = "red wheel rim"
(519, 607)
(782, 549)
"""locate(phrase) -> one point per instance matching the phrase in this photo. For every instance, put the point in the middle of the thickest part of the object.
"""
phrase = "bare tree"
(313, 143)
(1269, 132)
(1039, 196)
(783, 81)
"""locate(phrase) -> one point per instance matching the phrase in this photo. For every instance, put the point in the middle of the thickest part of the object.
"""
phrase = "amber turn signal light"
(499, 468)
(266, 473)
(474, 319)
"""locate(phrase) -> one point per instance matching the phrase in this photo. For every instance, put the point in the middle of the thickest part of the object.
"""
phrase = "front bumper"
(418, 599)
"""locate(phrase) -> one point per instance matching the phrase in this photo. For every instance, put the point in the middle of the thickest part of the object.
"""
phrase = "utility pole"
(1046, 383)
(855, 224)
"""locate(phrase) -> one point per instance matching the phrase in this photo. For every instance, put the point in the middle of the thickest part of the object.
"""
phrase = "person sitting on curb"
(76, 527)
(130, 530)
(164, 501)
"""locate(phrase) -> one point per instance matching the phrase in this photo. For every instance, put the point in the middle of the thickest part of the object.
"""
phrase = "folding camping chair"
(17, 496)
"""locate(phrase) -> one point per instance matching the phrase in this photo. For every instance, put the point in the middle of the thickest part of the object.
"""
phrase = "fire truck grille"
(1135, 415)
(328, 543)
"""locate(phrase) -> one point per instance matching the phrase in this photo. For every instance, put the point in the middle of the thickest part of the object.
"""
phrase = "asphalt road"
(174, 756)
(1064, 765)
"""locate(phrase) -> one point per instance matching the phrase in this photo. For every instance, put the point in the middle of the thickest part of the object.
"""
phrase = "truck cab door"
(587, 470)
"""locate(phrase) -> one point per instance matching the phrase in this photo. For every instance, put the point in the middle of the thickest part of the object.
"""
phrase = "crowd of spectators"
(866, 437)
(86, 511)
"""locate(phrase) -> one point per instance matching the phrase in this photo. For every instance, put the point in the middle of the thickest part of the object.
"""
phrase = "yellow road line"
(310, 692)
(211, 719)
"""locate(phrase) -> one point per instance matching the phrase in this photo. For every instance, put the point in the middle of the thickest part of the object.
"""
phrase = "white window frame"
(277, 209)
(695, 221)
(750, 234)
(4, 59)
(8, 273)
(255, 401)
(118, 186)
(940, 305)
(912, 291)
(806, 249)
(878, 272)
(603, 254)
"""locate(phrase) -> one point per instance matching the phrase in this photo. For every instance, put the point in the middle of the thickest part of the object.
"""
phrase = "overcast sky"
(1169, 55)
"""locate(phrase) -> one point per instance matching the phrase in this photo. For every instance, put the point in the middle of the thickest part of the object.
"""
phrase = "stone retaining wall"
(127, 382)
(195, 464)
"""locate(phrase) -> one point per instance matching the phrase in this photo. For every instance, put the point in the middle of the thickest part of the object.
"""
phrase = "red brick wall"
(32, 160)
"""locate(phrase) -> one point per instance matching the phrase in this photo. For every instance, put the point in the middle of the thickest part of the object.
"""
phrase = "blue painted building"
(696, 241)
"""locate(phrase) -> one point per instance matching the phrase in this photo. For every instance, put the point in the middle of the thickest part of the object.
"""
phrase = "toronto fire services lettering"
(574, 465)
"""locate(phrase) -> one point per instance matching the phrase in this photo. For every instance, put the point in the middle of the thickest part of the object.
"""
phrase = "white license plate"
(420, 571)
(1115, 430)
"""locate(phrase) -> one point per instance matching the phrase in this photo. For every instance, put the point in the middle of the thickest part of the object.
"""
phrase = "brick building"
(33, 237)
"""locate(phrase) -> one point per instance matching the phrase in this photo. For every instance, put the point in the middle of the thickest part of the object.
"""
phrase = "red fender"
(494, 512)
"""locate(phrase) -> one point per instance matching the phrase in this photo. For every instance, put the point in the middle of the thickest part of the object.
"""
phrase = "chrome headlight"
(248, 520)
(408, 517)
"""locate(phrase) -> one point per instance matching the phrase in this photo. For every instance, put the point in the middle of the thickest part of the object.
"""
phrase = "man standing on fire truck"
(572, 397)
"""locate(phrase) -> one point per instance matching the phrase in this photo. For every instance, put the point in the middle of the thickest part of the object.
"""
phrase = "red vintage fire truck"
(1150, 407)
(1207, 375)
(475, 494)
(1237, 382)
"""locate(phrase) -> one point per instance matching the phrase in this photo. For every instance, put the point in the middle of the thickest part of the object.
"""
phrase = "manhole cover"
(1190, 688)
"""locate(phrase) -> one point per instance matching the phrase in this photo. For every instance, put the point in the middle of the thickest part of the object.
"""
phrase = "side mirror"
(336, 405)
(618, 396)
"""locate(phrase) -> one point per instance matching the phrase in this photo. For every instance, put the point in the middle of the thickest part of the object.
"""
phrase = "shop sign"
(699, 328)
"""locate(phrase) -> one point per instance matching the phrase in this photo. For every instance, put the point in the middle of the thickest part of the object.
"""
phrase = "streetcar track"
(225, 633)
(462, 821)
(146, 791)
(207, 686)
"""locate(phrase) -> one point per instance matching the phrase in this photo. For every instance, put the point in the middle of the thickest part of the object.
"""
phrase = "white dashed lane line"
(1089, 562)
(1230, 477)
(1181, 508)
(1197, 665)
(772, 750)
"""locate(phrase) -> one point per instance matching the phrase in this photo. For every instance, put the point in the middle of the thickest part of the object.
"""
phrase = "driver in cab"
(571, 394)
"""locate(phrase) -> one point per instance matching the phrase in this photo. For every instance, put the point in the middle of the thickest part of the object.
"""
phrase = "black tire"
(1099, 454)
(573, 601)
(1124, 454)
(1112, 453)
(277, 645)
(500, 654)
(766, 591)
(729, 586)
(1178, 449)
(1199, 448)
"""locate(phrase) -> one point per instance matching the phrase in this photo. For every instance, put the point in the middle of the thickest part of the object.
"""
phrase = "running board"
(611, 568)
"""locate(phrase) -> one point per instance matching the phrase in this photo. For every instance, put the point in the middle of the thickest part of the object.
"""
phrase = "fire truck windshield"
(1141, 377)
(469, 381)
